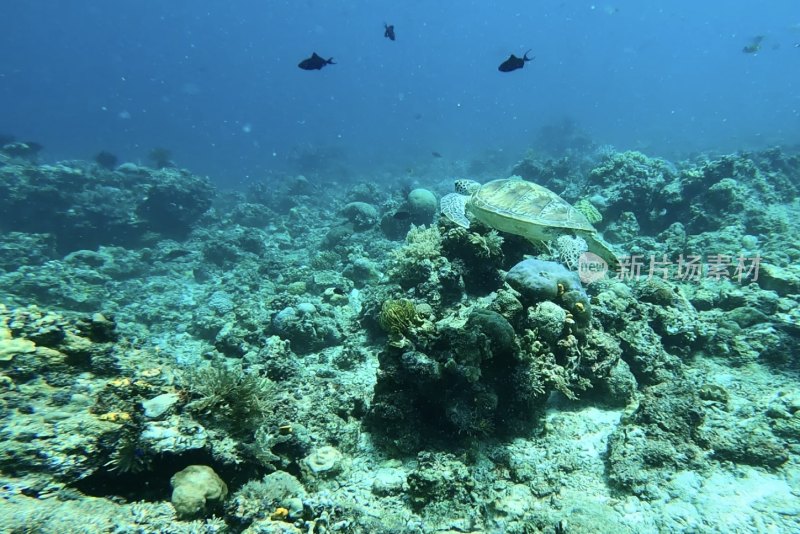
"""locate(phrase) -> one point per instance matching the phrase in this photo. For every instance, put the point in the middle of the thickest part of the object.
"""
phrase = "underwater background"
(368, 267)
(218, 83)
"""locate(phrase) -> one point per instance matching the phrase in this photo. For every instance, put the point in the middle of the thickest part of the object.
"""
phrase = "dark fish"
(513, 62)
(754, 46)
(174, 254)
(338, 291)
(161, 157)
(315, 62)
(106, 160)
(401, 215)
(389, 31)
(436, 154)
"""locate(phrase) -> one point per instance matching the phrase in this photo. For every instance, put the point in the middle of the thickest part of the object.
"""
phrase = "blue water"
(217, 82)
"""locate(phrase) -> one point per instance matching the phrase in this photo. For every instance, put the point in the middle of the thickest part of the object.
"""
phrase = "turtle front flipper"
(454, 207)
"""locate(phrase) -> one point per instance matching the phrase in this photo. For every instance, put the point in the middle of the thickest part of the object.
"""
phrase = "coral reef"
(83, 206)
(289, 361)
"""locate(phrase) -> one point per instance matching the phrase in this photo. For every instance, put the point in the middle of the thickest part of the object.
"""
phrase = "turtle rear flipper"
(602, 249)
(454, 207)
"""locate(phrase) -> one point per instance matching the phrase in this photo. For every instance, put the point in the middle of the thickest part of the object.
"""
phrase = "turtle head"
(466, 187)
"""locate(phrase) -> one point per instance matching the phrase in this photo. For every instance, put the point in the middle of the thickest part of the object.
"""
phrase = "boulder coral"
(195, 490)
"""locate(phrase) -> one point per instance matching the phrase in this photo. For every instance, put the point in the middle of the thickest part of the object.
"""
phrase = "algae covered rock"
(497, 331)
(10, 347)
(195, 490)
(159, 405)
(538, 281)
(389, 481)
(548, 319)
(256, 498)
(470, 379)
(619, 387)
(361, 215)
(661, 435)
(306, 327)
(440, 480)
(631, 182)
(784, 415)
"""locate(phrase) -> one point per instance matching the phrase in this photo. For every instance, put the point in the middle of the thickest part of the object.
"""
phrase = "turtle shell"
(525, 203)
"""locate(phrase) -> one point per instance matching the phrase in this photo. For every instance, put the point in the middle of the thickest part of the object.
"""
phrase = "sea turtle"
(523, 208)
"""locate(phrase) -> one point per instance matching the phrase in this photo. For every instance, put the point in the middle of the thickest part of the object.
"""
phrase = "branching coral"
(421, 255)
(487, 245)
(421, 244)
(230, 395)
(130, 454)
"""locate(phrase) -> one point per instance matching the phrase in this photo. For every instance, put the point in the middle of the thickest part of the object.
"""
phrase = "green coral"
(588, 209)
(398, 317)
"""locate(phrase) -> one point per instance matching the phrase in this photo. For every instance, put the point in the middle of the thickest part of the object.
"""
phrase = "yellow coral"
(150, 373)
(122, 382)
(279, 514)
(10, 347)
(115, 417)
(560, 288)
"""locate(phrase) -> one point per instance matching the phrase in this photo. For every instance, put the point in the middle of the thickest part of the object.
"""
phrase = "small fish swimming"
(389, 31)
(436, 154)
(513, 62)
(754, 46)
(315, 62)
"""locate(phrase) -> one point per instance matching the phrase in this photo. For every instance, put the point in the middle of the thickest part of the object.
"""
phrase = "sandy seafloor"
(339, 358)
